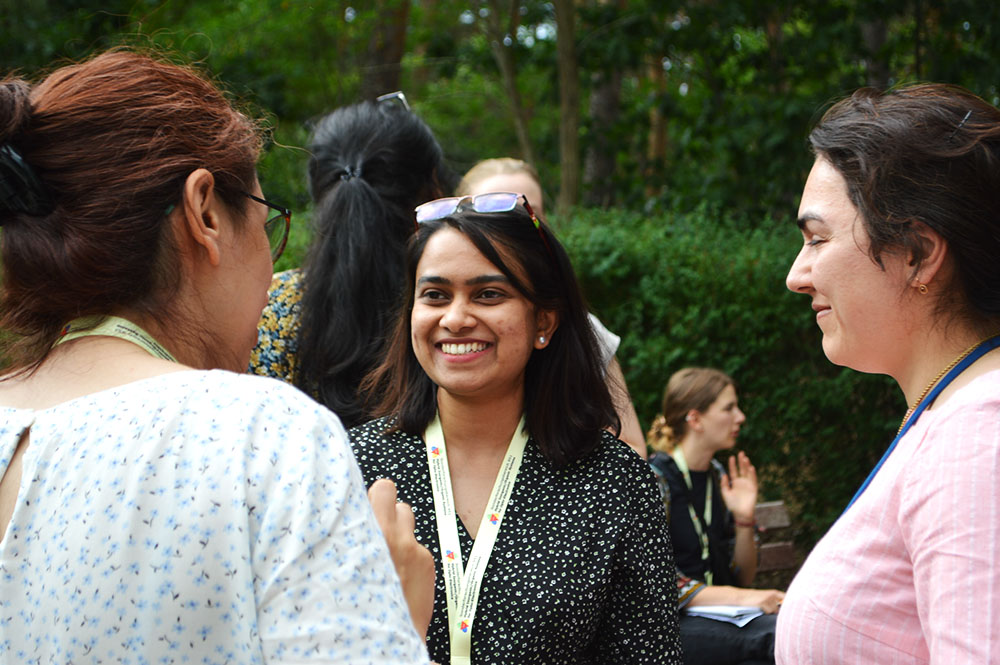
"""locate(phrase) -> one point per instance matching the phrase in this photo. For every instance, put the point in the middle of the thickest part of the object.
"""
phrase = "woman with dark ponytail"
(325, 326)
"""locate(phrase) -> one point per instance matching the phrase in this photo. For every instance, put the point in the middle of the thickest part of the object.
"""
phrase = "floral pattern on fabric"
(200, 517)
(278, 331)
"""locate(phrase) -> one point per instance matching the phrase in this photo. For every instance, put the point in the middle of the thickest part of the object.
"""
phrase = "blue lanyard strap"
(982, 349)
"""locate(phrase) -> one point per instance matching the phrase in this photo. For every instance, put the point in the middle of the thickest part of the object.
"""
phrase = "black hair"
(566, 399)
(927, 153)
(371, 165)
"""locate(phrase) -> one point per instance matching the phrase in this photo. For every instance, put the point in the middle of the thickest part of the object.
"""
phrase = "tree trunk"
(385, 49)
(599, 163)
(656, 146)
(496, 32)
(569, 104)
(873, 34)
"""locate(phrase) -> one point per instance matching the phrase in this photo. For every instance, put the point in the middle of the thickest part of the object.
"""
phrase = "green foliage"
(741, 84)
(705, 288)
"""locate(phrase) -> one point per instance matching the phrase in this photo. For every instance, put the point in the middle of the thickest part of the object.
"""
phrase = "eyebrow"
(481, 279)
(808, 217)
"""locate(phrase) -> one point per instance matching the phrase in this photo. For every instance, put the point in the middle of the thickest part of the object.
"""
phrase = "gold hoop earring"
(923, 289)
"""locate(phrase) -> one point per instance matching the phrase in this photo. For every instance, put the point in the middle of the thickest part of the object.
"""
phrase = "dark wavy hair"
(927, 153)
(566, 400)
(111, 141)
(371, 165)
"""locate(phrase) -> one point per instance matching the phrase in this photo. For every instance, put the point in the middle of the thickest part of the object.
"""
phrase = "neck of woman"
(935, 352)
(697, 456)
(476, 425)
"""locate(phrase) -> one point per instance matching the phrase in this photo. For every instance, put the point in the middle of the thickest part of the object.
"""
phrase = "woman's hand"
(768, 600)
(414, 563)
(739, 488)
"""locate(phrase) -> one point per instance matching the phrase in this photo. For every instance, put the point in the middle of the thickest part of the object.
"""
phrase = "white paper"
(739, 615)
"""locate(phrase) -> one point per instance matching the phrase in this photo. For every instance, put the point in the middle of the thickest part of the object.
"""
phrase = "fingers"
(773, 601)
(405, 521)
(413, 562)
(382, 497)
(768, 600)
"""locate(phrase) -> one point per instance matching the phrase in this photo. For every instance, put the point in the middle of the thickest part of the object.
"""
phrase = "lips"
(821, 310)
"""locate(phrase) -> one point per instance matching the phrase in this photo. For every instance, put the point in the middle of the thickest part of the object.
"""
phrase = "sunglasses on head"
(393, 98)
(481, 203)
(276, 227)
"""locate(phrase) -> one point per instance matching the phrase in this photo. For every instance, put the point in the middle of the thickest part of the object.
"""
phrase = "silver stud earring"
(541, 340)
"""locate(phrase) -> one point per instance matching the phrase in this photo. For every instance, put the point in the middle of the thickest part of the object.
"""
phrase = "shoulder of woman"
(376, 433)
(614, 458)
(270, 397)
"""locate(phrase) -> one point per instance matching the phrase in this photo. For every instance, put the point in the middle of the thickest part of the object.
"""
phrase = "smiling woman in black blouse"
(549, 536)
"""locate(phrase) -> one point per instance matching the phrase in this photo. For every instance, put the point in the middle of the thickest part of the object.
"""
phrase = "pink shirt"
(911, 573)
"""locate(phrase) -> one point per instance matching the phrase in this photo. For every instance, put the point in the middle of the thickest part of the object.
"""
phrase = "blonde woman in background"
(711, 516)
(505, 174)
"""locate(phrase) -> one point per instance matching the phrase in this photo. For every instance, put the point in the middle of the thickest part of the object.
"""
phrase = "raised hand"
(414, 563)
(739, 488)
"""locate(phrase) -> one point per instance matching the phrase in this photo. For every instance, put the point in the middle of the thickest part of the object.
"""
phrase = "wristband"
(751, 524)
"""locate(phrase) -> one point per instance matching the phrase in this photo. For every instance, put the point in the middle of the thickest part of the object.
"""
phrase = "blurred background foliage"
(670, 136)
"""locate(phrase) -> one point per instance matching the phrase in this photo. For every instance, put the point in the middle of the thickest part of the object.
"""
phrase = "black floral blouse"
(582, 571)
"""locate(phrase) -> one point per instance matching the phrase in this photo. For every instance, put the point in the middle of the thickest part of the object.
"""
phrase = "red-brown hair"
(112, 141)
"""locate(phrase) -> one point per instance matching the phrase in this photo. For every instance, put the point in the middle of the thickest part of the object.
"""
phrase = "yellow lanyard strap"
(462, 586)
(681, 463)
(114, 326)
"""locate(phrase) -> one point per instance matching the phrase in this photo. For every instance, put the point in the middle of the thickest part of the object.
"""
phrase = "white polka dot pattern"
(582, 571)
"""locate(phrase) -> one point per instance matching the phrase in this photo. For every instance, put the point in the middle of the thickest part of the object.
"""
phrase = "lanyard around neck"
(462, 584)
(681, 463)
(984, 347)
(114, 326)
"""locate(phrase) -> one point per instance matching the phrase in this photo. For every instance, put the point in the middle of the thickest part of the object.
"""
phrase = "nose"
(457, 316)
(798, 278)
(740, 416)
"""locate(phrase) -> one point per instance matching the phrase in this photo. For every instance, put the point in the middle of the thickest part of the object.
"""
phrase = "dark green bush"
(706, 288)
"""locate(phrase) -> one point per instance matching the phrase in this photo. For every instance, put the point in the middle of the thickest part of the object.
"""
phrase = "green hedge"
(705, 288)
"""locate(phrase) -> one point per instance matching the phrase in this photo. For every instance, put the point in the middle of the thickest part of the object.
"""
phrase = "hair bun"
(20, 188)
(15, 108)
(661, 435)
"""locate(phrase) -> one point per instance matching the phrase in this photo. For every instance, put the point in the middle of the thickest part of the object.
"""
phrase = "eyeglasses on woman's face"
(482, 203)
(276, 227)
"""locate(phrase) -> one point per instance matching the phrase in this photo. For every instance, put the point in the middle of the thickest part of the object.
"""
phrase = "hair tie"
(351, 172)
(20, 188)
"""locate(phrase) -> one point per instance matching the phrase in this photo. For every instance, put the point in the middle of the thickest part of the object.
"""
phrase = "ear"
(693, 418)
(201, 222)
(934, 250)
(546, 322)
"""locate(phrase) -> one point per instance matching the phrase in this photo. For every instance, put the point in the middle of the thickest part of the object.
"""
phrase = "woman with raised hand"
(900, 220)
(711, 516)
(153, 505)
(515, 175)
(324, 327)
(548, 533)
